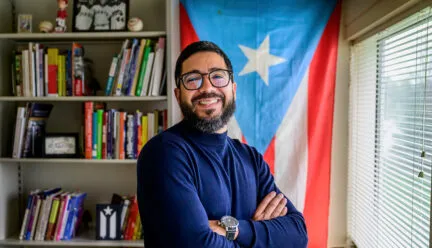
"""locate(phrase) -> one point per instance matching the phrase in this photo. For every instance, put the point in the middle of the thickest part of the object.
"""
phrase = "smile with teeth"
(207, 101)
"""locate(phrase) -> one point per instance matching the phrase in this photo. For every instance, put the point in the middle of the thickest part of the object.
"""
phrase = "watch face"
(229, 221)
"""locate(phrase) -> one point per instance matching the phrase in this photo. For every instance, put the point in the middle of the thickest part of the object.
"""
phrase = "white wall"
(339, 158)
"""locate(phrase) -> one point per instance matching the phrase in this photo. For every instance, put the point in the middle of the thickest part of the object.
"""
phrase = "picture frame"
(100, 15)
(25, 23)
(61, 145)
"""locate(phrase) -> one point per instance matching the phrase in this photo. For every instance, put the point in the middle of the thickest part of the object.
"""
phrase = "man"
(199, 188)
(102, 13)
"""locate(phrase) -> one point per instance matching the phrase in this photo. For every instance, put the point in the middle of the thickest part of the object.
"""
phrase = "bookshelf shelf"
(80, 36)
(85, 240)
(67, 161)
(83, 99)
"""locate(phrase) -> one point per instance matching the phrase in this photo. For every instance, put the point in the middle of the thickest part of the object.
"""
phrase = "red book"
(52, 79)
(131, 219)
(88, 122)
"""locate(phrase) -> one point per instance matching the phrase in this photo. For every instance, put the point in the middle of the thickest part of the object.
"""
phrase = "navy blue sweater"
(186, 177)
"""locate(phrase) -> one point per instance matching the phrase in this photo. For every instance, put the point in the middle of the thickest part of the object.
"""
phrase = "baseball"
(135, 24)
(46, 27)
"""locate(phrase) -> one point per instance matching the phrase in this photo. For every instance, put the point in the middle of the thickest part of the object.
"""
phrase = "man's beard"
(211, 124)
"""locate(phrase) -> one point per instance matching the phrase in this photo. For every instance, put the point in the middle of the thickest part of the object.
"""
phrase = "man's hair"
(196, 47)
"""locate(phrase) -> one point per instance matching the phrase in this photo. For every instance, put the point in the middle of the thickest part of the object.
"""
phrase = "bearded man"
(196, 186)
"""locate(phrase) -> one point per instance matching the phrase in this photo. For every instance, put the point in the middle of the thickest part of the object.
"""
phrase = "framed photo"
(61, 145)
(100, 15)
(24, 23)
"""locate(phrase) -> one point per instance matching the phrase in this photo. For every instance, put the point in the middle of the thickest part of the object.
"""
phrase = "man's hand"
(272, 206)
(213, 224)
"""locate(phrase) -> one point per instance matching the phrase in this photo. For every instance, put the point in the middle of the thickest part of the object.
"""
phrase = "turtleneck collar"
(202, 137)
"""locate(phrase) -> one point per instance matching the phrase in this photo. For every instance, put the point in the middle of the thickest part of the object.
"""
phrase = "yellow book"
(144, 129)
(63, 74)
(136, 228)
(156, 122)
(52, 219)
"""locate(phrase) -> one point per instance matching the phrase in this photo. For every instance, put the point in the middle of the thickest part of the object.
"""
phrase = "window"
(390, 154)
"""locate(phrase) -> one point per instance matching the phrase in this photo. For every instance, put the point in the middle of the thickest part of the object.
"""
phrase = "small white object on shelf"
(135, 24)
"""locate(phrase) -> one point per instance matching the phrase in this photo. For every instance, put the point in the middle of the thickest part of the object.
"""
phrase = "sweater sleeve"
(286, 231)
(171, 211)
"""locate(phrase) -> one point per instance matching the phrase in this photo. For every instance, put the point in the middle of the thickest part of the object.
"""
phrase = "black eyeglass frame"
(180, 79)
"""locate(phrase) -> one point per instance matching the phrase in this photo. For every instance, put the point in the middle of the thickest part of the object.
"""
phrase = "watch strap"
(230, 232)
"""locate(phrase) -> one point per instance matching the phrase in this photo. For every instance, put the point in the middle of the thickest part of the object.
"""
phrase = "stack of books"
(52, 214)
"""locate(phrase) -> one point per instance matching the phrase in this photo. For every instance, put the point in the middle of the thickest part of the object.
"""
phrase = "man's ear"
(234, 90)
(177, 94)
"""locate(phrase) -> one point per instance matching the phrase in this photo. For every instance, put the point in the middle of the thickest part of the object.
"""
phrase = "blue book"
(69, 89)
(76, 202)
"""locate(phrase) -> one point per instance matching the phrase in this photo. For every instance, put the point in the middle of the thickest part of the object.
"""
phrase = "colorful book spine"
(88, 129)
(104, 135)
(99, 133)
(94, 135)
(111, 76)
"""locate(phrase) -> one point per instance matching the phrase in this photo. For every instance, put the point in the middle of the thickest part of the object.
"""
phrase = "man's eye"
(189, 80)
(217, 76)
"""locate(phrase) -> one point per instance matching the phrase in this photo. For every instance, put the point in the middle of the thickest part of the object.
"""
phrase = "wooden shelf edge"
(76, 242)
(68, 160)
(82, 98)
(81, 35)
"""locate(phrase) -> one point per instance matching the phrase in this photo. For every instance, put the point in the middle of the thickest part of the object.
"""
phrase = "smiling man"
(196, 186)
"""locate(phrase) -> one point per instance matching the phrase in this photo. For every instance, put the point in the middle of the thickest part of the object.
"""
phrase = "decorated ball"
(135, 24)
(46, 27)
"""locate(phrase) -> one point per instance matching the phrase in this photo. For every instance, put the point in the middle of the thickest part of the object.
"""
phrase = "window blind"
(391, 136)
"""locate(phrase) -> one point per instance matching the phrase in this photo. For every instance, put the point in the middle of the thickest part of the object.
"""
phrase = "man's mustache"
(208, 95)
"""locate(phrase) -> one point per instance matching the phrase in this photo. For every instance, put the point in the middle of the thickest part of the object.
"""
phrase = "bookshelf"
(100, 36)
(60, 161)
(99, 178)
(83, 99)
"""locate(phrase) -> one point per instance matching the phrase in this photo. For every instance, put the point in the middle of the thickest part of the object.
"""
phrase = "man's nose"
(206, 84)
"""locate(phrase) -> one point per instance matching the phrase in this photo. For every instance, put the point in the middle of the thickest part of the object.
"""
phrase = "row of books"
(117, 134)
(39, 70)
(138, 69)
(52, 214)
(130, 220)
(30, 130)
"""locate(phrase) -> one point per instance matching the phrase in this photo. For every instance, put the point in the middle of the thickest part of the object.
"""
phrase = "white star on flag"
(108, 211)
(260, 60)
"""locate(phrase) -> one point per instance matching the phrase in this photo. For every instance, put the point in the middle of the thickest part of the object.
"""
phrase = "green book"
(100, 113)
(143, 68)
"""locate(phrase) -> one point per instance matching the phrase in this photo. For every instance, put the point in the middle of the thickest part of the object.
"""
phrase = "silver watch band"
(230, 232)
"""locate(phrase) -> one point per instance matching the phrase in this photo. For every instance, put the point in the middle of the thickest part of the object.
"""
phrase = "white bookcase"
(99, 178)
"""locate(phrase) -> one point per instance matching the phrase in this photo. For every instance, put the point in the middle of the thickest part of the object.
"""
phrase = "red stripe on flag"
(269, 155)
(187, 31)
(321, 90)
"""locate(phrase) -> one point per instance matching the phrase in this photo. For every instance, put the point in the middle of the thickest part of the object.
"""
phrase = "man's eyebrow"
(210, 70)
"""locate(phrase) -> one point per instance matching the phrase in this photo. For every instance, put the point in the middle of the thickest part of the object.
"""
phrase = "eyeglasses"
(194, 80)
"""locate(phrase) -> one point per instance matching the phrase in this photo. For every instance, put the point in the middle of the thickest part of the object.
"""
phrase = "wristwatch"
(231, 226)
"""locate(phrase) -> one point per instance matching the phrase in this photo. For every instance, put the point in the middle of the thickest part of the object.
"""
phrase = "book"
(37, 114)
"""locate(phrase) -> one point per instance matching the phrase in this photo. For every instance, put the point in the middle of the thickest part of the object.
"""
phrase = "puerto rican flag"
(284, 56)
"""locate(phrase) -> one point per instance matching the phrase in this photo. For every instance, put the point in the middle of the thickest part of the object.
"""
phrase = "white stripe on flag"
(291, 148)
(234, 130)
